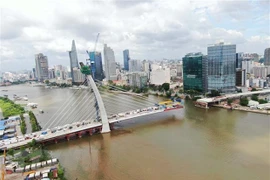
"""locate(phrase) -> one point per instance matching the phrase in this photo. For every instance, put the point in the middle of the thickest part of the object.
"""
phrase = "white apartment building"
(261, 71)
(110, 65)
(159, 75)
(79, 77)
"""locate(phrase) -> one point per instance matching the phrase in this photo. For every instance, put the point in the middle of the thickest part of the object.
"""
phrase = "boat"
(173, 107)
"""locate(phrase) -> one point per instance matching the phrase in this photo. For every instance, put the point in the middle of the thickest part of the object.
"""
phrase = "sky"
(150, 29)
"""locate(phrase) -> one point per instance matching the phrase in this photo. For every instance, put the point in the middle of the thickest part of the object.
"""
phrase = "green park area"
(9, 108)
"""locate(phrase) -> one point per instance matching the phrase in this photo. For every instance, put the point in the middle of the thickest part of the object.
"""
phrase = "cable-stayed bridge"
(93, 110)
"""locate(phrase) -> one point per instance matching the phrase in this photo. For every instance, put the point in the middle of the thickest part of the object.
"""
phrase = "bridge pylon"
(101, 107)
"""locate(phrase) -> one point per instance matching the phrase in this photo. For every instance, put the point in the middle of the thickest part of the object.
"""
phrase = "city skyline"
(187, 27)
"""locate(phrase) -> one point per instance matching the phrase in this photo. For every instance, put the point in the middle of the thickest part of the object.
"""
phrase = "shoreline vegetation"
(9, 108)
(34, 123)
(23, 125)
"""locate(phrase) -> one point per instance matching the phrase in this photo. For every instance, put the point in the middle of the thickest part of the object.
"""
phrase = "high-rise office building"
(34, 74)
(110, 66)
(96, 65)
(73, 59)
(126, 59)
(195, 72)
(41, 67)
(239, 59)
(51, 73)
(267, 57)
(221, 67)
(179, 70)
(240, 77)
(135, 65)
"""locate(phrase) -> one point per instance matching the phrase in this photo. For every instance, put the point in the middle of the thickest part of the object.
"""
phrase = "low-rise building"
(137, 79)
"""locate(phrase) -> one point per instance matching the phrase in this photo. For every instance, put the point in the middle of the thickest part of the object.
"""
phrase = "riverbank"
(242, 108)
(127, 93)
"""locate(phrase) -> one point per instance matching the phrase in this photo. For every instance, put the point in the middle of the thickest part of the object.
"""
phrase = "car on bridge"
(44, 133)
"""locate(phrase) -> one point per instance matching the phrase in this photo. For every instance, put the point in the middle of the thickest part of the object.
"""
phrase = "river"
(213, 144)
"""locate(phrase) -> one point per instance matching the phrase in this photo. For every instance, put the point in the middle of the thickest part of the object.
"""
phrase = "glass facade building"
(195, 72)
(96, 65)
(239, 59)
(73, 59)
(221, 67)
(126, 59)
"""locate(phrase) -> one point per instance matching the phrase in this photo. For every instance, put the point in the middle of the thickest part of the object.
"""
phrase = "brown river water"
(198, 144)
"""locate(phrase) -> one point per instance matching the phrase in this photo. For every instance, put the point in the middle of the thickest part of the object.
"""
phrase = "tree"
(214, 93)
(47, 81)
(33, 144)
(253, 89)
(254, 97)
(261, 60)
(229, 101)
(262, 101)
(168, 94)
(181, 91)
(110, 82)
(11, 152)
(165, 86)
(244, 101)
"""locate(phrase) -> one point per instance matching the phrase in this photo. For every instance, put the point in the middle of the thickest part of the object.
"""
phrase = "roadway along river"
(214, 144)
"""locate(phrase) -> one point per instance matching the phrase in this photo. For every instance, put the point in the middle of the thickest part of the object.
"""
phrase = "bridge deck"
(63, 131)
(40, 137)
(127, 117)
(221, 98)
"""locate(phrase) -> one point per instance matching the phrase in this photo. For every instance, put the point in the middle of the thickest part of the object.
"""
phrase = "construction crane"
(91, 60)
(96, 43)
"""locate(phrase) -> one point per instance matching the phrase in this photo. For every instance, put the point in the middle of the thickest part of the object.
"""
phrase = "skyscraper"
(135, 65)
(126, 59)
(73, 59)
(96, 65)
(239, 59)
(267, 57)
(109, 59)
(34, 74)
(221, 67)
(41, 67)
(195, 72)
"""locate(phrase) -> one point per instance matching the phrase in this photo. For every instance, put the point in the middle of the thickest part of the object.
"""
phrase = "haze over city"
(150, 30)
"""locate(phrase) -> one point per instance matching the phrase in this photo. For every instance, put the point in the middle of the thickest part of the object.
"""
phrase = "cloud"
(150, 29)
(12, 24)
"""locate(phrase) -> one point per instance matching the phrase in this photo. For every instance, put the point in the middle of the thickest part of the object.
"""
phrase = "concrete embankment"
(127, 93)
(267, 112)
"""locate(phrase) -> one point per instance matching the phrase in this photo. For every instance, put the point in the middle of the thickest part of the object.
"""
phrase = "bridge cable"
(65, 104)
(69, 113)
